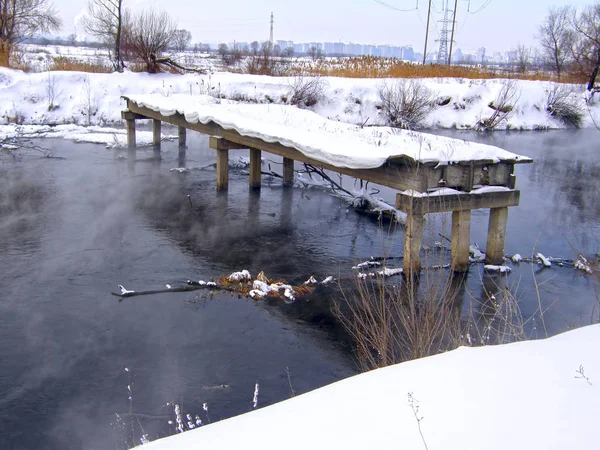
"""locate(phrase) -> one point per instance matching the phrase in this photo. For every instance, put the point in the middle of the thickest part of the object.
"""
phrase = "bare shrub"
(564, 104)
(152, 33)
(406, 103)
(392, 323)
(306, 91)
(523, 59)
(266, 61)
(181, 40)
(53, 92)
(230, 57)
(503, 106)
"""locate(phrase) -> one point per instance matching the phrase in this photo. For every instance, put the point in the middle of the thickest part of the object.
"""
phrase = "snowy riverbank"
(86, 99)
(534, 394)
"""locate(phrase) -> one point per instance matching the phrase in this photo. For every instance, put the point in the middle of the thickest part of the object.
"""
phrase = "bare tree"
(523, 58)
(556, 39)
(288, 52)
(181, 40)
(587, 39)
(315, 53)
(152, 33)
(255, 47)
(20, 19)
(266, 62)
(104, 19)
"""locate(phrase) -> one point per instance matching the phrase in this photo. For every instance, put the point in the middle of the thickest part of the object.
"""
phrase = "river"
(81, 369)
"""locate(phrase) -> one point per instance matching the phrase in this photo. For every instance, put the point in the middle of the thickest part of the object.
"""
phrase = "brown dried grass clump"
(62, 63)
(377, 67)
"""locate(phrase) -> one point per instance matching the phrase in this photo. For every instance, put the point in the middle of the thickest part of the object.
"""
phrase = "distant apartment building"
(480, 55)
(405, 53)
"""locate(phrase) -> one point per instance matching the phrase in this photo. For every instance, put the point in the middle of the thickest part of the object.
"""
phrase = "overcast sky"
(500, 25)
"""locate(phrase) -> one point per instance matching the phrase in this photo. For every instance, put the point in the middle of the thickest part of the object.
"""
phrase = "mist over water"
(72, 229)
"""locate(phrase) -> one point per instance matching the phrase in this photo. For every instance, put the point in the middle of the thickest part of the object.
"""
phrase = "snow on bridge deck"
(328, 141)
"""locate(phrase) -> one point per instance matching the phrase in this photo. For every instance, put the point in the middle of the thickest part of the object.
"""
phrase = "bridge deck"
(459, 178)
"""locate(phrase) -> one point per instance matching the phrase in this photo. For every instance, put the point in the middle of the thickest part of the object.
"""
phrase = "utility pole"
(427, 33)
(453, 28)
(443, 51)
(271, 35)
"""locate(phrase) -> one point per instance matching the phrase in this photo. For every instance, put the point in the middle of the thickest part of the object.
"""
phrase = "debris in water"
(499, 269)
(583, 265)
(124, 291)
(311, 280)
(244, 275)
(475, 253)
(543, 260)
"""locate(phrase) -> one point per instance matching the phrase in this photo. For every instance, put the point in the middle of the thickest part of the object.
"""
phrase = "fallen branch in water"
(240, 283)
(187, 288)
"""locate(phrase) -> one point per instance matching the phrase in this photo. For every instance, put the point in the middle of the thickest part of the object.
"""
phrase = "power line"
(427, 33)
(387, 5)
(453, 29)
(485, 5)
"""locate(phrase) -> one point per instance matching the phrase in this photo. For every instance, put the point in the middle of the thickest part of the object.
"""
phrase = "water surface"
(72, 229)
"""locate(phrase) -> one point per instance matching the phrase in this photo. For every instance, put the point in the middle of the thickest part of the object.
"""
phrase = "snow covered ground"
(52, 98)
(537, 394)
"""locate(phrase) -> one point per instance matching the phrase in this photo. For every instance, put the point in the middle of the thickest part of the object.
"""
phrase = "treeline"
(570, 40)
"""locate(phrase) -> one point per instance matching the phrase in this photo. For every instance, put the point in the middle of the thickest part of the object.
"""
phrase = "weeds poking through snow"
(413, 403)
(289, 377)
(580, 375)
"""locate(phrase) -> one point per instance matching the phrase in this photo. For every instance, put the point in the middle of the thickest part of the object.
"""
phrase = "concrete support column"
(461, 234)
(415, 223)
(156, 134)
(255, 168)
(222, 169)
(182, 137)
(494, 253)
(288, 172)
(131, 141)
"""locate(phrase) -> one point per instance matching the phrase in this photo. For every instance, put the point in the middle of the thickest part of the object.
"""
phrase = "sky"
(497, 25)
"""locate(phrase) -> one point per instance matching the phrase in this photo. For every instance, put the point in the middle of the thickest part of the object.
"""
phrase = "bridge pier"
(182, 137)
(413, 236)
(255, 168)
(288, 172)
(461, 206)
(494, 252)
(461, 233)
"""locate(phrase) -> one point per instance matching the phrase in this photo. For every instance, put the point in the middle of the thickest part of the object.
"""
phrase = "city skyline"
(496, 25)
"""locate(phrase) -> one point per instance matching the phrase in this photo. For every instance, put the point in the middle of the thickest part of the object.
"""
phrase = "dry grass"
(62, 63)
(376, 67)
(391, 323)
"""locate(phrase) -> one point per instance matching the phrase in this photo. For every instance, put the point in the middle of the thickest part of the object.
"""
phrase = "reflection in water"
(99, 222)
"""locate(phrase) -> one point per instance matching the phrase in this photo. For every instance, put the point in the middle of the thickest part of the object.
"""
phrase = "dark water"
(72, 229)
